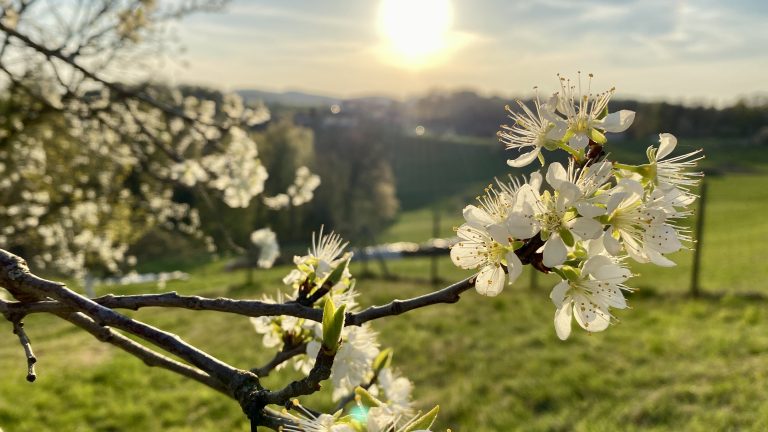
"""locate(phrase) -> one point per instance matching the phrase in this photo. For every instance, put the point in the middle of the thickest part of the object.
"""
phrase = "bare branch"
(321, 371)
(15, 276)
(284, 355)
(449, 294)
(18, 330)
(250, 308)
(149, 357)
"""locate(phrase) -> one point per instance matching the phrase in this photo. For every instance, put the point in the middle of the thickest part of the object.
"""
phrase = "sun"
(416, 31)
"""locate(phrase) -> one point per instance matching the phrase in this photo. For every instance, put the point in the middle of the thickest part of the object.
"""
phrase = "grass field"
(493, 364)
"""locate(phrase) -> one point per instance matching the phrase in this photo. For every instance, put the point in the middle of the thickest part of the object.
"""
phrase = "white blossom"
(537, 130)
(589, 296)
(266, 240)
(584, 113)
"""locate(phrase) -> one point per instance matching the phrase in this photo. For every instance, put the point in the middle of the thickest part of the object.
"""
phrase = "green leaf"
(425, 421)
(366, 398)
(570, 273)
(567, 237)
(332, 327)
(597, 136)
(383, 360)
(337, 273)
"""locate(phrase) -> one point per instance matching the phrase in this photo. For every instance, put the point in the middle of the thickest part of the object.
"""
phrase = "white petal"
(525, 158)
(659, 259)
(618, 121)
(588, 209)
(554, 251)
(610, 295)
(499, 233)
(593, 263)
(586, 228)
(589, 315)
(667, 143)
(472, 233)
(563, 316)
(535, 182)
(476, 216)
(514, 267)
(490, 280)
(612, 273)
(611, 244)
(556, 174)
(579, 141)
(558, 293)
(467, 254)
(662, 238)
(615, 200)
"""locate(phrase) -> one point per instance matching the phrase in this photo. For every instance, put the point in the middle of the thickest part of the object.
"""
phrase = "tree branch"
(280, 358)
(18, 330)
(321, 371)
(449, 294)
(15, 276)
(149, 357)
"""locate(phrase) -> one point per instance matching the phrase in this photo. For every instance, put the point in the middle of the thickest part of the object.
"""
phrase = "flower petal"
(589, 315)
(476, 216)
(586, 228)
(592, 264)
(467, 254)
(514, 267)
(558, 293)
(667, 143)
(617, 121)
(563, 316)
(556, 174)
(611, 272)
(525, 158)
(612, 245)
(579, 141)
(490, 280)
(554, 251)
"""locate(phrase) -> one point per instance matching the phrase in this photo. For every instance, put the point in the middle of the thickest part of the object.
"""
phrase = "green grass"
(493, 364)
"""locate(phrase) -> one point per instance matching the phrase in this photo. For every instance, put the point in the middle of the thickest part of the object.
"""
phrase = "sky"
(691, 51)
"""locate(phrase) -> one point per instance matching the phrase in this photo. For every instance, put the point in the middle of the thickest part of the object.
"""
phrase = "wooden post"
(434, 276)
(699, 236)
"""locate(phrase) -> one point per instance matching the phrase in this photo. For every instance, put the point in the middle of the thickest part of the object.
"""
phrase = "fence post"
(434, 276)
(699, 237)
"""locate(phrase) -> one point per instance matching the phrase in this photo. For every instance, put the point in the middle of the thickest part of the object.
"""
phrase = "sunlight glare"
(416, 30)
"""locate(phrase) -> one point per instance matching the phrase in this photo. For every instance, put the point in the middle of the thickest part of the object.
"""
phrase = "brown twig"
(18, 330)
(282, 356)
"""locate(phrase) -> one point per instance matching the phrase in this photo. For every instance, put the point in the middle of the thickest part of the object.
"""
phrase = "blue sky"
(681, 50)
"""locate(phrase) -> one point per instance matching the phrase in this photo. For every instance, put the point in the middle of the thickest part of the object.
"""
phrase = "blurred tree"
(122, 156)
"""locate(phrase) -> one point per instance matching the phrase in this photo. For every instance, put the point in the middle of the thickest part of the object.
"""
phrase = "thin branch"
(18, 330)
(321, 371)
(449, 294)
(15, 276)
(249, 308)
(149, 357)
(279, 358)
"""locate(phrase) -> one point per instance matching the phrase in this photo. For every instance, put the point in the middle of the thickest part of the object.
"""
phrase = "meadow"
(493, 364)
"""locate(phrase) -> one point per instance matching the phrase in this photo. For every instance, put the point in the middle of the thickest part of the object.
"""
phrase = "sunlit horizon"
(693, 52)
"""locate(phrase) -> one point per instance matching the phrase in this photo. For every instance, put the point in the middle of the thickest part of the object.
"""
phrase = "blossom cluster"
(78, 190)
(583, 220)
(320, 276)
